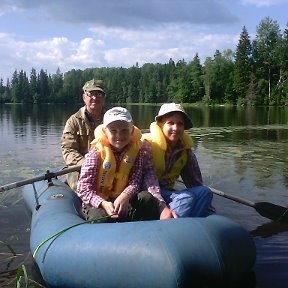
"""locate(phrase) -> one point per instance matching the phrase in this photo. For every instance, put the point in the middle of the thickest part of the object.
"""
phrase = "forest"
(255, 73)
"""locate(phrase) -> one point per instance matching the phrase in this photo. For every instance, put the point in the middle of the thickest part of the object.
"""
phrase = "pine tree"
(266, 56)
(196, 79)
(243, 64)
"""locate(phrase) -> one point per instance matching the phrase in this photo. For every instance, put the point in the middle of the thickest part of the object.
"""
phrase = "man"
(79, 129)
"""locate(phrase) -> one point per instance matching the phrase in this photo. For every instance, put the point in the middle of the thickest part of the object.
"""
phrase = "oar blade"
(272, 211)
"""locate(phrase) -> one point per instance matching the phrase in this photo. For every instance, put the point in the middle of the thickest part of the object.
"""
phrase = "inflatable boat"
(183, 252)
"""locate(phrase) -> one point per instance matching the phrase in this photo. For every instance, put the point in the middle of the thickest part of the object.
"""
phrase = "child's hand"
(109, 209)
(167, 213)
(121, 205)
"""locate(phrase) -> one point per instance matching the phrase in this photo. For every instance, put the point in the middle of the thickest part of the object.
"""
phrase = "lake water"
(241, 151)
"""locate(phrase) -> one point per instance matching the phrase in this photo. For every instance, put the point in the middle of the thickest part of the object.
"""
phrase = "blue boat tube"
(184, 252)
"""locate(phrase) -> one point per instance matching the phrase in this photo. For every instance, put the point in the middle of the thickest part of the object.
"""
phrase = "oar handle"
(48, 175)
(233, 197)
(68, 170)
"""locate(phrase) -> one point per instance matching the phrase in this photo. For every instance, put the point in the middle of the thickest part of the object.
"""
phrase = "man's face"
(94, 100)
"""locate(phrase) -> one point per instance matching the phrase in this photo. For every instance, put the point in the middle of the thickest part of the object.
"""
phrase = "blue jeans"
(189, 202)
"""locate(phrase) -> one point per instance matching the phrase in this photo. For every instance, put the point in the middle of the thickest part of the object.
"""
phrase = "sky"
(71, 34)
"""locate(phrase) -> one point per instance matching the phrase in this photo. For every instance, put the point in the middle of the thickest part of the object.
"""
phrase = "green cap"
(93, 85)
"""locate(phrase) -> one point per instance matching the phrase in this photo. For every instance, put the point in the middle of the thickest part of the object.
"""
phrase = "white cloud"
(265, 3)
(48, 54)
(6, 8)
(112, 47)
(162, 43)
(87, 53)
(117, 39)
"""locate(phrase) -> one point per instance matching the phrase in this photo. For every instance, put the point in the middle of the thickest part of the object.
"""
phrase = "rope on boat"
(36, 197)
(67, 228)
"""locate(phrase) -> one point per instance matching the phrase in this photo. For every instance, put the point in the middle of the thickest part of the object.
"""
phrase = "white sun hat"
(116, 114)
(173, 107)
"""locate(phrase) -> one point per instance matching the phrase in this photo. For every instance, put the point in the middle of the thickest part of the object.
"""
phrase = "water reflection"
(242, 151)
(236, 116)
(270, 229)
(253, 152)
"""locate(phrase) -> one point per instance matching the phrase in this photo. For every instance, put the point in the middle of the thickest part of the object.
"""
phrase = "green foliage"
(243, 64)
(21, 272)
(241, 101)
(267, 56)
(256, 74)
(197, 89)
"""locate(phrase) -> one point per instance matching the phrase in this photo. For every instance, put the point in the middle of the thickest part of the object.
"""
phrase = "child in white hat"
(173, 157)
(113, 172)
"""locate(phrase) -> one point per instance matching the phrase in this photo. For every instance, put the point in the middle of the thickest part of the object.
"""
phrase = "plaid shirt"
(143, 171)
(190, 174)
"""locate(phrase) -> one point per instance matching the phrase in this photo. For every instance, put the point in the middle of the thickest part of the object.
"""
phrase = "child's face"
(119, 134)
(172, 127)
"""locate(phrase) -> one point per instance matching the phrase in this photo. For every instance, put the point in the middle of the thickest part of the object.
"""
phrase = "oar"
(48, 175)
(265, 209)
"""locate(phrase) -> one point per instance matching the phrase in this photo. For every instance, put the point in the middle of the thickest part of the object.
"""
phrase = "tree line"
(255, 74)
